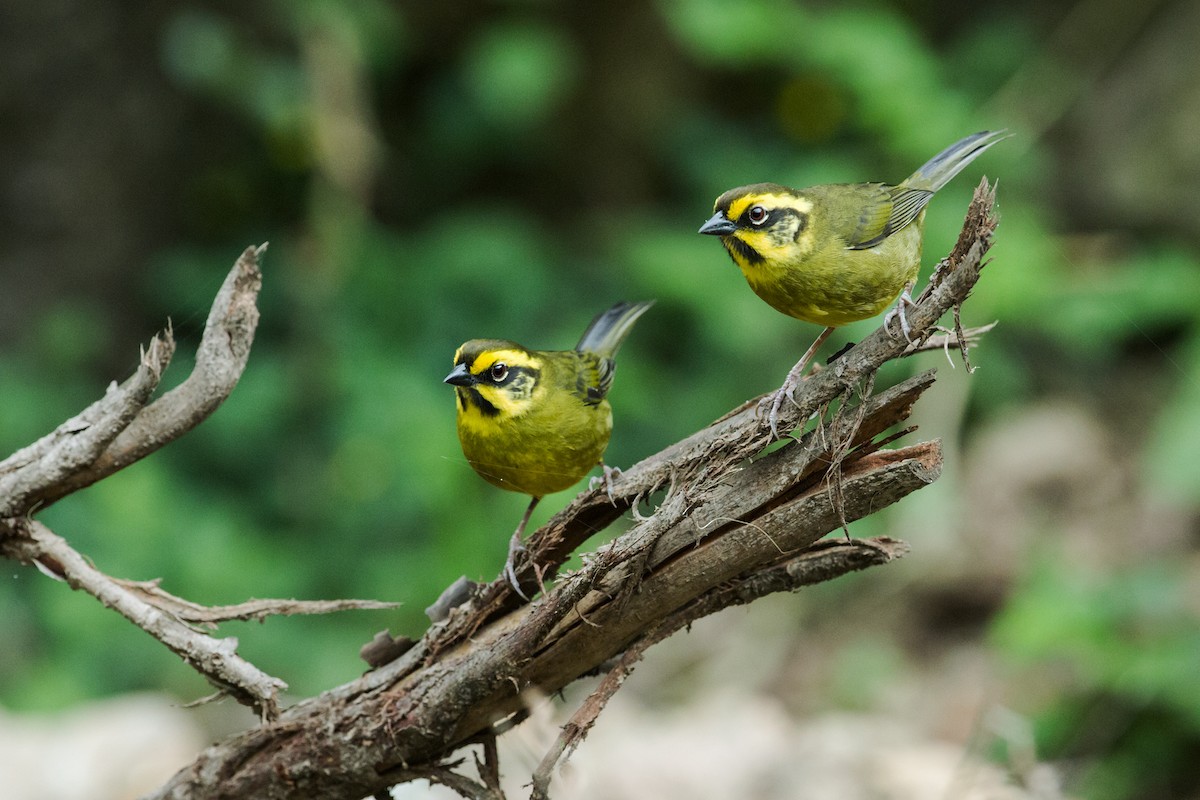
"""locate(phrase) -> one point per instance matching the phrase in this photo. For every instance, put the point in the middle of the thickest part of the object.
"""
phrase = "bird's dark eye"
(757, 215)
(499, 371)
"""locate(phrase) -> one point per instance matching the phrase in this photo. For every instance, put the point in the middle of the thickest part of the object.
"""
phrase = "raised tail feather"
(939, 170)
(609, 328)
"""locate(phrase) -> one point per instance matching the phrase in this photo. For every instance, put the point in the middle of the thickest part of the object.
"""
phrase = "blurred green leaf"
(1129, 634)
(518, 72)
(750, 32)
(1175, 440)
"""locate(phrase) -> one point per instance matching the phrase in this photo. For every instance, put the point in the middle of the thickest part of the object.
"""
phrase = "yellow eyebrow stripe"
(770, 200)
(514, 358)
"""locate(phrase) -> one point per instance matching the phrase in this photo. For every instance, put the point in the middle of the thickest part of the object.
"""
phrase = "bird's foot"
(774, 401)
(610, 474)
(905, 299)
(787, 392)
(516, 548)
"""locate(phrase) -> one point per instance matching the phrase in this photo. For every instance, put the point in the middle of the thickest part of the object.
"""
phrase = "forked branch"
(121, 428)
(114, 432)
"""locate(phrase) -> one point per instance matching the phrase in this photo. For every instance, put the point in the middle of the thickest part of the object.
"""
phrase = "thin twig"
(947, 338)
(581, 722)
(489, 770)
(446, 776)
(251, 610)
(30, 542)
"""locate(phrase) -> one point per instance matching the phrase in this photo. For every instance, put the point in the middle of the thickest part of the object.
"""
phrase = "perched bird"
(536, 421)
(836, 253)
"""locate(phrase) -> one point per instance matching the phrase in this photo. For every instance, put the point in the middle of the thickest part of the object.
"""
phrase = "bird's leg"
(792, 381)
(609, 474)
(905, 299)
(515, 546)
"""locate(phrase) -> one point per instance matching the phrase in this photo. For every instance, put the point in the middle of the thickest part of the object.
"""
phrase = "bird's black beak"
(719, 225)
(460, 376)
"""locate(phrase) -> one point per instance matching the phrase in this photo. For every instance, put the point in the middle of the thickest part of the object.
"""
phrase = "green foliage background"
(428, 173)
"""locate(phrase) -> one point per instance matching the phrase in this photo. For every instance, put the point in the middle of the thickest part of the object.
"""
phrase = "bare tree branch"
(251, 610)
(120, 429)
(31, 542)
(820, 562)
(406, 715)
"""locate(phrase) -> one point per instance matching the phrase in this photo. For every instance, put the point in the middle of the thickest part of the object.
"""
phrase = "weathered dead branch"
(734, 524)
(121, 428)
(31, 542)
(734, 519)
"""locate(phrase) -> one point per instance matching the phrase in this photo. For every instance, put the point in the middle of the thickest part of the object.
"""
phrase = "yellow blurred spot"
(811, 108)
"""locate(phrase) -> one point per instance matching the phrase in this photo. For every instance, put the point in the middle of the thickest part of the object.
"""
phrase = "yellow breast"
(826, 283)
(550, 445)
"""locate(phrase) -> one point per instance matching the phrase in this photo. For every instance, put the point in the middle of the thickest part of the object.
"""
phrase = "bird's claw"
(510, 573)
(897, 312)
(515, 546)
(794, 378)
(610, 473)
(776, 402)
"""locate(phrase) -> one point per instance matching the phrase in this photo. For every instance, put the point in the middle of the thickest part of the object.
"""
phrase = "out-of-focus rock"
(114, 749)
